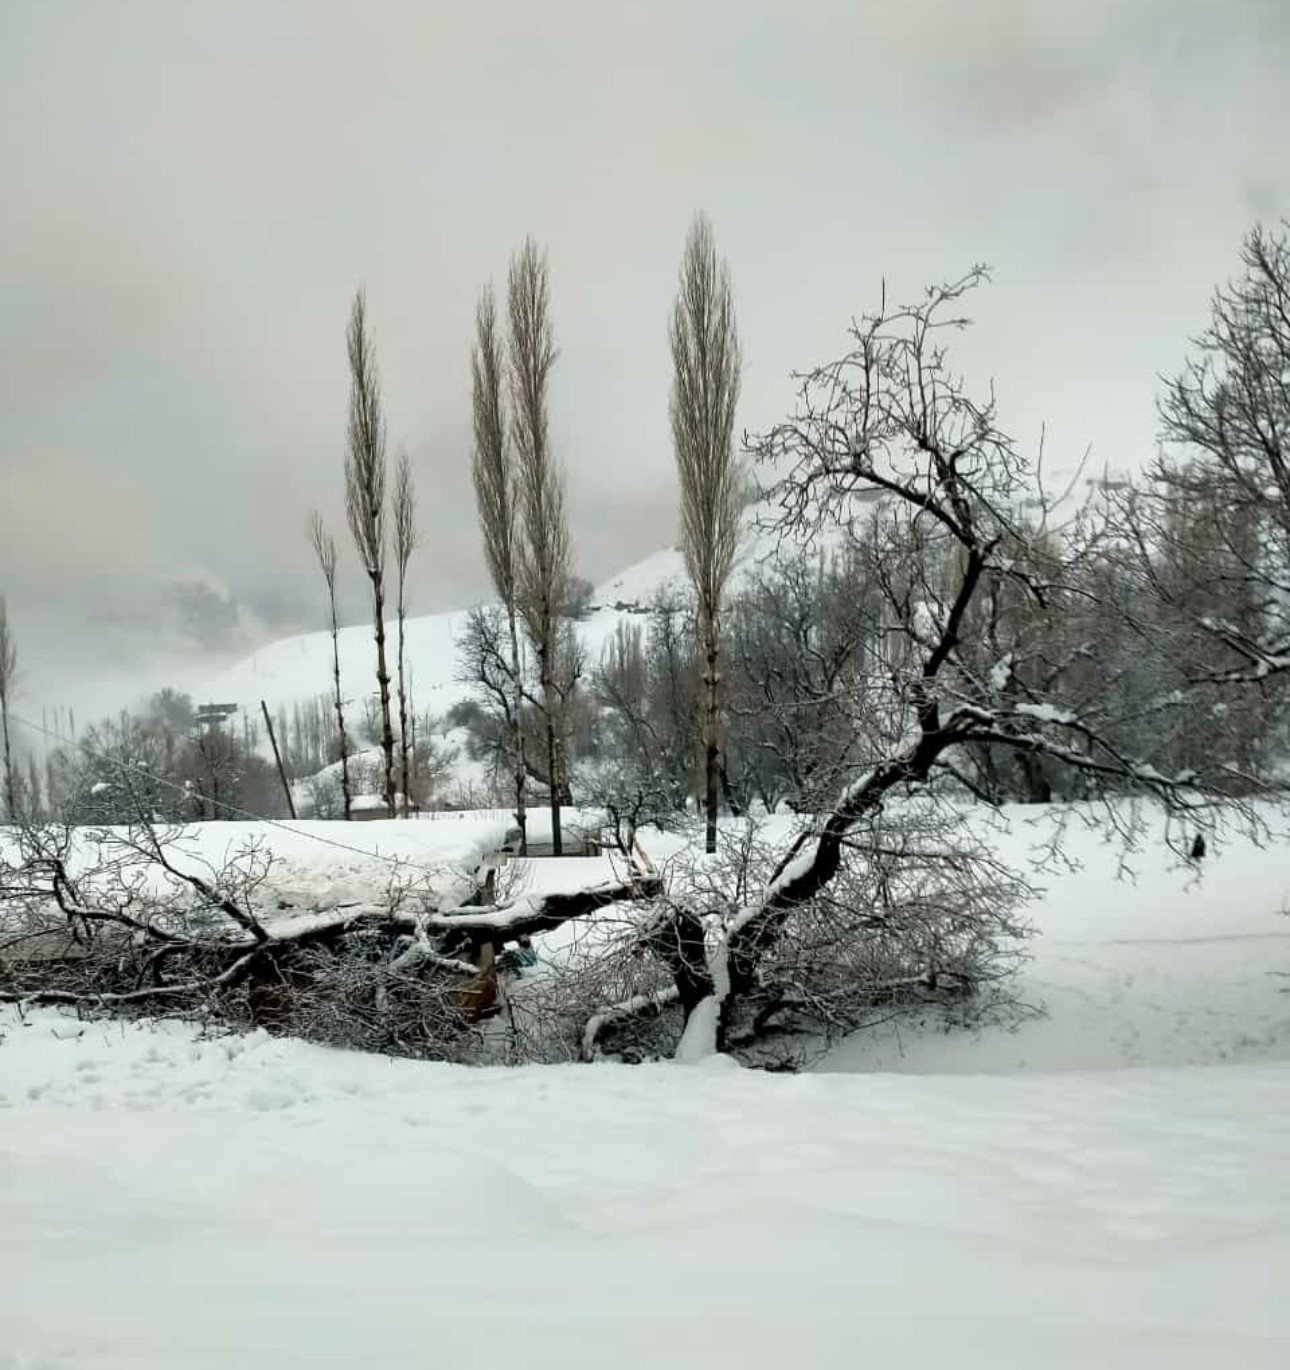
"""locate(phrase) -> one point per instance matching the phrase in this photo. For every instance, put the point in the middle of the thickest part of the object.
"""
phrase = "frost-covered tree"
(887, 437)
(1210, 525)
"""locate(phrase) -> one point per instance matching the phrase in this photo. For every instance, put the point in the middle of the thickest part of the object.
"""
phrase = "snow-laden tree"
(888, 441)
(1208, 531)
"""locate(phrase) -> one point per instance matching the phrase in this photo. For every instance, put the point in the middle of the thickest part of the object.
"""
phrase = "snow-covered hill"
(296, 669)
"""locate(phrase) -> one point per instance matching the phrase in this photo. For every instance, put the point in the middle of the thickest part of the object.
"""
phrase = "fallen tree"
(131, 923)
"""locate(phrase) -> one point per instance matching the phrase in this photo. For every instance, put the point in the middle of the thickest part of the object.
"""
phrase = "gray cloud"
(194, 192)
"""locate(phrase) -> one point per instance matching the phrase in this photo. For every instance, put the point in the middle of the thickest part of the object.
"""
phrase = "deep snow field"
(1108, 1185)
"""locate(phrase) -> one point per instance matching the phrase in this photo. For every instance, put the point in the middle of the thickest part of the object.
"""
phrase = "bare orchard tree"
(891, 423)
(800, 640)
(705, 390)
(922, 916)
(544, 560)
(365, 504)
(628, 777)
(8, 674)
(489, 719)
(494, 477)
(324, 546)
(484, 663)
(404, 508)
(1211, 525)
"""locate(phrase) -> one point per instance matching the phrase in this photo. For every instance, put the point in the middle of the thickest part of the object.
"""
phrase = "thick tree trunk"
(730, 969)
(383, 685)
(1038, 790)
(517, 739)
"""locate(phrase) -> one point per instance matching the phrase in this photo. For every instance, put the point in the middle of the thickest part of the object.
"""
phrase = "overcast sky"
(193, 192)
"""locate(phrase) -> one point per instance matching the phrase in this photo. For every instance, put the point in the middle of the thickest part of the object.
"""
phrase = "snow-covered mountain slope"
(295, 669)
(300, 668)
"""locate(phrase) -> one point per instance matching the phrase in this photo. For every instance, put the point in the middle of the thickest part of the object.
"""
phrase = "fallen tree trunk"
(151, 960)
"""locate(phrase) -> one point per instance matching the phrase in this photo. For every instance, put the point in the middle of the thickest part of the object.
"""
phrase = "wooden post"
(277, 756)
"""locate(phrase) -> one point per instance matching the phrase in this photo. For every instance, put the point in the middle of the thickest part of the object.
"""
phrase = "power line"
(191, 792)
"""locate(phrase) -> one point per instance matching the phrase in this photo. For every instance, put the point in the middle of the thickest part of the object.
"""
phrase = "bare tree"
(418, 792)
(494, 478)
(365, 503)
(404, 508)
(705, 390)
(324, 546)
(1226, 427)
(1201, 544)
(490, 719)
(544, 562)
(798, 640)
(8, 674)
(629, 776)
(891, 425)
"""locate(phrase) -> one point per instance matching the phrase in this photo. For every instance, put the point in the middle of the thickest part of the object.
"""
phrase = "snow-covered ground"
(321, 865)
(1166, 966)
(167, 1202)
(1089, 1190)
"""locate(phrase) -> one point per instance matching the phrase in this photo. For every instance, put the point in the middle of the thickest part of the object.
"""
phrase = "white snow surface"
(194, 1204)
(1167, 965)
(1107, 1187)
(316, 866)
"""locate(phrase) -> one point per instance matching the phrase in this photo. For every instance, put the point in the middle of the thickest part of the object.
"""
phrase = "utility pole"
(277, 756)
